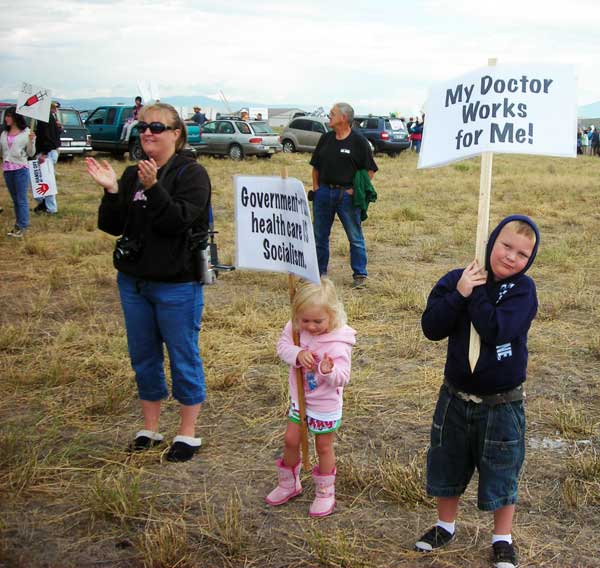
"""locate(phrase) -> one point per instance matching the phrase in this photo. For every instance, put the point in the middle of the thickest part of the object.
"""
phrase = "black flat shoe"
(183, 448)
(145, 440)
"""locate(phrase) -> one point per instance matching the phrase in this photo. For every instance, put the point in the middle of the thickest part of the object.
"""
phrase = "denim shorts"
(466, 435)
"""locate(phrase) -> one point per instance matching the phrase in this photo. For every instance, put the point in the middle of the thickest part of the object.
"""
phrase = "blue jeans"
(466, 435)
(169, 313)
(326, 204)
(17, 183)
(50, 201)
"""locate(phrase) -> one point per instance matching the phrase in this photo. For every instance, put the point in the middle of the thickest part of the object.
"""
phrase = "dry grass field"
(71, 497)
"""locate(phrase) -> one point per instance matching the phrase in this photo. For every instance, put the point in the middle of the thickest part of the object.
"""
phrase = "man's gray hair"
(347, 111)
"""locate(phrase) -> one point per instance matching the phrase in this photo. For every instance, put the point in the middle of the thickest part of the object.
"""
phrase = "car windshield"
(69, 118)
(261, 128)
(396, 124)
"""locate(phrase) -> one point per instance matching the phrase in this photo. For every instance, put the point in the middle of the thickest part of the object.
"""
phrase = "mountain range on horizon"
(177, 101)
(591, 110)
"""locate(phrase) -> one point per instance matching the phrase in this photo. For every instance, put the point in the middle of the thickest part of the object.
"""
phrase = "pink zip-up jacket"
(325, 401)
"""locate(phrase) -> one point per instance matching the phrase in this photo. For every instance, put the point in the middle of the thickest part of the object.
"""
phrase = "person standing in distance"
(46, 145)
(339, 154)
(17, 144)
(198, 117)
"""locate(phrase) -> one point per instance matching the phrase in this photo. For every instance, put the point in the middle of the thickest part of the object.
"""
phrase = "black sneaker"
(40, 208)
(435, 537)
(504, 555)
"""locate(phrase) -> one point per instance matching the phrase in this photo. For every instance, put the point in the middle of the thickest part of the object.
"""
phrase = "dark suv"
(75, 139)
(384, 134)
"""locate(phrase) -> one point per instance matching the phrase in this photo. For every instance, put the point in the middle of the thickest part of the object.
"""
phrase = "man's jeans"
(50, 201)
(158, 313)
(326, 204)
(17, 183)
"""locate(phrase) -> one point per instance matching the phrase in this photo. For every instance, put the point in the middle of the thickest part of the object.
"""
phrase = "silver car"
(302, 134)
(237, 139)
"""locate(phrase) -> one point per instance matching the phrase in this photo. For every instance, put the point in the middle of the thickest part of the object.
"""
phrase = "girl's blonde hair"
(323, 296)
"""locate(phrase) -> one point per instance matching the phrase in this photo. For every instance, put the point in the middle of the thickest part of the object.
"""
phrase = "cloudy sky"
(380, 56)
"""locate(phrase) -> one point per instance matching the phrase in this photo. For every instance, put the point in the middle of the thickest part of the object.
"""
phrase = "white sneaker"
(16, 233)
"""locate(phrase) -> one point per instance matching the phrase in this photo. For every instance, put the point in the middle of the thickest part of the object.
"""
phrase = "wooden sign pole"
(299, 374)
(483, 223)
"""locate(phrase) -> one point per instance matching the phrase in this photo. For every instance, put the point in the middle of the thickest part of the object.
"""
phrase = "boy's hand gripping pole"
(483, 222)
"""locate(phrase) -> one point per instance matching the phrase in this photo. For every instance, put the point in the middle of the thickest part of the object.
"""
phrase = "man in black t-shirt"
(337, 157)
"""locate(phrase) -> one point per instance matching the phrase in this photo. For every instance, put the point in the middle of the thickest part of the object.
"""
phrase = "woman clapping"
(156, 207)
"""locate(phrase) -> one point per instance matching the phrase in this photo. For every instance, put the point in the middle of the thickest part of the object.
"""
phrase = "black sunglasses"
(155, 127)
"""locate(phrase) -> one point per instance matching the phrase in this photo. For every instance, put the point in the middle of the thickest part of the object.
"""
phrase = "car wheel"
(371, 146)
(135, 151)
(235, 152)
(288, 146)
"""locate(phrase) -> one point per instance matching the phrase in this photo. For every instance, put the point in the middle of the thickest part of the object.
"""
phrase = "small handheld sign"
(34, 101)
(41, 176)
(273, 226)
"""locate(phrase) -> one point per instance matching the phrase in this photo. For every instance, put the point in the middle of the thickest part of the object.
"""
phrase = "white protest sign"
(34, 102)
(41, 176)
(154, 92)
(273, 226)
(144, 90)
(514, 109)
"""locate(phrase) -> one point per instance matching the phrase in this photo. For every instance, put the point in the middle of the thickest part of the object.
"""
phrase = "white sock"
(149, 434)
(506, 537)
(450, 527)
(189, 440)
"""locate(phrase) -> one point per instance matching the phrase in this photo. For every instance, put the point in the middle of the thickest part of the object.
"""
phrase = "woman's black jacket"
(160, 223)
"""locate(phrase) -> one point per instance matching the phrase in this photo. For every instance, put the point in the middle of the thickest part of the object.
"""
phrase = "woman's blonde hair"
(324, 296)
(172, 117)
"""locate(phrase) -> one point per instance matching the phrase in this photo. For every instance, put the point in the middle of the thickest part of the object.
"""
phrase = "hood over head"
(494, 235)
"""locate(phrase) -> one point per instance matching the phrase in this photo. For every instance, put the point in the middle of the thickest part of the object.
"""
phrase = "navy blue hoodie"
(501, 312)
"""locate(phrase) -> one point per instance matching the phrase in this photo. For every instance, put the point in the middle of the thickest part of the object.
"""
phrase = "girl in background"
(324, 356)
(17, 143)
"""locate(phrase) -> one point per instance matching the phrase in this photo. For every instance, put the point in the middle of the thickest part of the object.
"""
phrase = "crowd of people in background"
(588, 141)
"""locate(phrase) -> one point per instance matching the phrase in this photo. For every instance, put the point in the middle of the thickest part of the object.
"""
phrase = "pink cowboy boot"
(324, 502)
(289, 484)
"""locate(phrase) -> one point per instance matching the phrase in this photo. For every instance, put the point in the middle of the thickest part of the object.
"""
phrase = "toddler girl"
(324, 355)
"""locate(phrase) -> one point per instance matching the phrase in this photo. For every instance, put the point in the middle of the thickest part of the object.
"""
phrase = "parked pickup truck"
(105, 124)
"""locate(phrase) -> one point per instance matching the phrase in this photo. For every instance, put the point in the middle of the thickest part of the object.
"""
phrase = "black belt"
(336, 186)
(518, 393)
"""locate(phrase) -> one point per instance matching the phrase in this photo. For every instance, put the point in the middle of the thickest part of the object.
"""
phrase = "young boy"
(479, 420)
